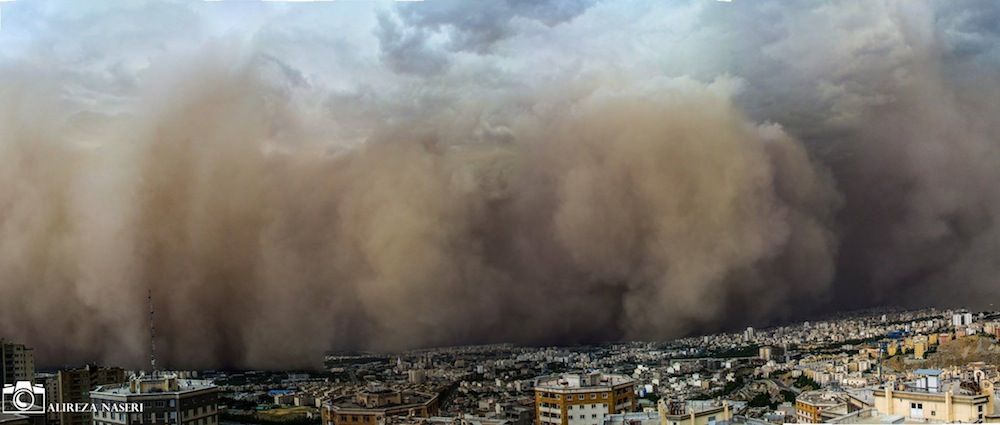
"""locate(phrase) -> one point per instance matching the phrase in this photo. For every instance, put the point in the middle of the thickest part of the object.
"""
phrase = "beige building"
(377, 404)
(705, 412)
(582, 399)
(919, 347)
(932, 401)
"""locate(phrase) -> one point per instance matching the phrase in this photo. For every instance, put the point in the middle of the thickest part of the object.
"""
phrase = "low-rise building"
(377, 403)
(930, 400)
(693, 412)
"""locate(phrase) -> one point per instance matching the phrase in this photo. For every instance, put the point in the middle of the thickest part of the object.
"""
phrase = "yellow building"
(919, 347)
(935, 402)
(582, 399)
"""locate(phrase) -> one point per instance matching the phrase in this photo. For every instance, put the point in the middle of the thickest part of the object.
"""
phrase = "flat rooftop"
(409, 398)
(822, 398)
(582, 381)
(152, 385)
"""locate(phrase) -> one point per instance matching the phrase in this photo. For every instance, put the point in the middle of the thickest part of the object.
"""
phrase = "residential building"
(817, 406)
(165, 399)
(74, 385)
(693, 412)
(919, 347)
(377, 403)
(961, 319)
(17, 363)
(582, 399)
(930, 400)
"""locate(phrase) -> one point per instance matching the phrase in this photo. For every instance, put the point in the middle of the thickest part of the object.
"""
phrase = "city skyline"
(928, 365)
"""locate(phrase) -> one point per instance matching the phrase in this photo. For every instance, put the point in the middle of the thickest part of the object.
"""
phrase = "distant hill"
(955, 353)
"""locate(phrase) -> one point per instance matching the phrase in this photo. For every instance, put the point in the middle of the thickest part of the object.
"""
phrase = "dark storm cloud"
(592, 171)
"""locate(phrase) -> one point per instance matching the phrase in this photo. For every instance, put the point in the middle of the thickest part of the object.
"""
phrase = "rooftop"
(154, 385)
(582, 381)
(381, 399)
(822, 398)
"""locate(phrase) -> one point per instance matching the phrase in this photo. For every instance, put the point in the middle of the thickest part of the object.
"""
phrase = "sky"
(288, 179)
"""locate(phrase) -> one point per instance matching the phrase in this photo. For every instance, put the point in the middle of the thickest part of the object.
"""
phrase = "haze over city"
(288, 180)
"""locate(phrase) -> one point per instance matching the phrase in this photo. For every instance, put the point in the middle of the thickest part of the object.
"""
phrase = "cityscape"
(918, 366)
(499, 212)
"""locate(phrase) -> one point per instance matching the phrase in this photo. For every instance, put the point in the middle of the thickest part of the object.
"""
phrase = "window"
(579, 397)
(604, 396)
(593, 396)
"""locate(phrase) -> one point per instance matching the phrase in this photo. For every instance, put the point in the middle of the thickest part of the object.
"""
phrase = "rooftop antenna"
(152, 335)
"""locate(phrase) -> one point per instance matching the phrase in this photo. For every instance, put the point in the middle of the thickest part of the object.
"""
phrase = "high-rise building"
(74, 386)
(961, 319)
(17, 363)
(770, 352)
(748, 334)
(165, 400)
(582, 399)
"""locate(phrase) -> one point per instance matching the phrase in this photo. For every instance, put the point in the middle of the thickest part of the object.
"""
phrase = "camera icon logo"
(23, 398)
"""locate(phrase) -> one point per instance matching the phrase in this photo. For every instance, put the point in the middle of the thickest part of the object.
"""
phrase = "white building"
(961, 319)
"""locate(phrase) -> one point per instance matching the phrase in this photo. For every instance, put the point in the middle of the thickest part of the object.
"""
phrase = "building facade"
(693, 412)
(935, 406)
(582, 399)
(817, 406)
(17, 363)
(73, 386)
(165, 400)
